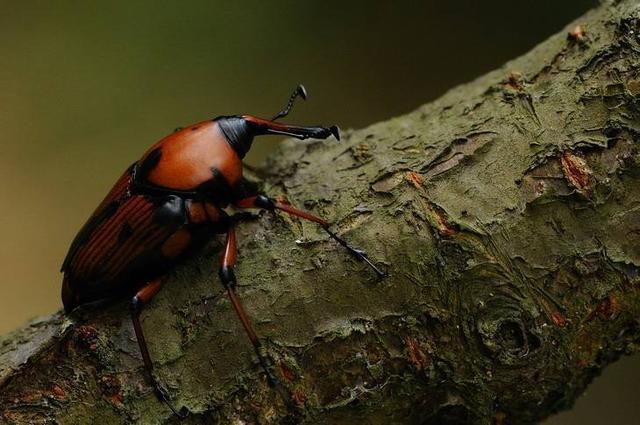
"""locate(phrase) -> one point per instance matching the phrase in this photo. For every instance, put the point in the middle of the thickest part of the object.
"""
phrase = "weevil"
(166, 206)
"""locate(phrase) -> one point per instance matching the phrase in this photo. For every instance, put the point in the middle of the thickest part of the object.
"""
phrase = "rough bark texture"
(507, 214)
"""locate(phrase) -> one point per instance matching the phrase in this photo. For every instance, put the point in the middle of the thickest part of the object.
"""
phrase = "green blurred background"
(85, 87)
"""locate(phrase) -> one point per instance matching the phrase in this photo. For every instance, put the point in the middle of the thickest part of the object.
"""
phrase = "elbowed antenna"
(240, 130)
(261, 126)
(299, 91)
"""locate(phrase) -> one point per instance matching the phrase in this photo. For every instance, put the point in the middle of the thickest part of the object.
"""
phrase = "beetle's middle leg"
(228, 278)
(142, 297)
(269, 204)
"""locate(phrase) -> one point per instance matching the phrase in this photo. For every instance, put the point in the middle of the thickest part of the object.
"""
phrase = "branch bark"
(507, 214)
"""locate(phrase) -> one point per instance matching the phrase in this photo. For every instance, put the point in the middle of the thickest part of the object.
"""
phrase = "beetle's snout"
(320, 133)
(314, 132)
(261, 126)
(240, 130)
(335, 131)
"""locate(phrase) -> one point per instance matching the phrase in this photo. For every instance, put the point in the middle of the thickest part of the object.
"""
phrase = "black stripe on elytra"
(87, 230)
(125, 232)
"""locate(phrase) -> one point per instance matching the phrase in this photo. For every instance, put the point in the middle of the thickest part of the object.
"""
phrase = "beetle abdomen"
(126, 231)
(106, 208)
(121, 243)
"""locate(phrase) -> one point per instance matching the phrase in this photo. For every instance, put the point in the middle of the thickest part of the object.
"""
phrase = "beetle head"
(240, 130)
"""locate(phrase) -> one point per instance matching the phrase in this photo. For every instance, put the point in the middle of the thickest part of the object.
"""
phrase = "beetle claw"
(361, 255)
(335, 131)
(162, 395)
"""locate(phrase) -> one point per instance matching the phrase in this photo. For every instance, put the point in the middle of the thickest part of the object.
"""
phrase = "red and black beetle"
(168, 204)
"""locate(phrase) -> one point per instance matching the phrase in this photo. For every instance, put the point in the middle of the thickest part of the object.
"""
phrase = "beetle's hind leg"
(266, 203)
(142, 297)
(228, 278)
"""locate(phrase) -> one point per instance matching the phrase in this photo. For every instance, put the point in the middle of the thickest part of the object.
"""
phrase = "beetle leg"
(142, 297)
(228, 278)
(266, 203)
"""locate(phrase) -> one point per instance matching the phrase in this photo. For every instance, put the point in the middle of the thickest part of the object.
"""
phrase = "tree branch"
(507, 214)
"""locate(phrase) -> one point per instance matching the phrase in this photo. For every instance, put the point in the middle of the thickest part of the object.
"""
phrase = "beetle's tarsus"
(161, 394)
(335, 131)
(267, 366)
(359, 254)
(379, 272)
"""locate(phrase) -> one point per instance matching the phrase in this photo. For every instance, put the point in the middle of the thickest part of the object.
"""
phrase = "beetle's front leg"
(261, 201)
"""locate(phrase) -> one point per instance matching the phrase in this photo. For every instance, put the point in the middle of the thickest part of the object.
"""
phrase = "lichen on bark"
(507, 214)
